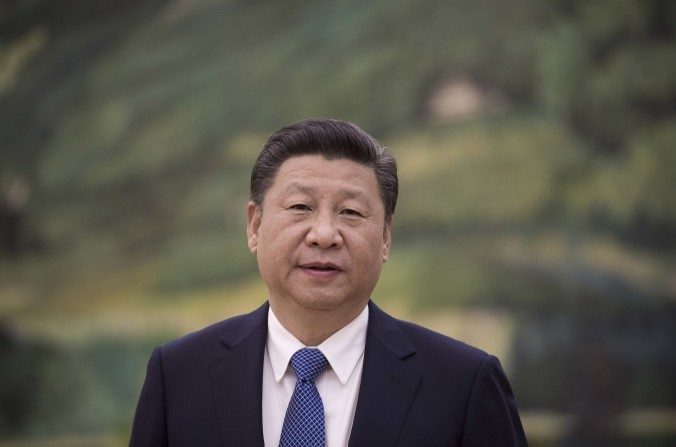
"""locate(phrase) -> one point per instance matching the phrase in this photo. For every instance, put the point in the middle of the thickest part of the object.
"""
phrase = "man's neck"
(312, 326)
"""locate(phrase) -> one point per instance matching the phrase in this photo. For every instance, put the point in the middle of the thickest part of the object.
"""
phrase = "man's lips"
(320, 266)
(320, 269)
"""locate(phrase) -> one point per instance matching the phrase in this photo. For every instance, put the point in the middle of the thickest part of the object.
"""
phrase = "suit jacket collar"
(236, 379)
(388, 385)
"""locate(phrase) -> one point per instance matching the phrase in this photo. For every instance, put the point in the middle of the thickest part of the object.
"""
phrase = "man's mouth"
(322, 269)
(320, 266)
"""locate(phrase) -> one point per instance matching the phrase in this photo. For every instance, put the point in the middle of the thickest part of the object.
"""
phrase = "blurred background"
(536, 143)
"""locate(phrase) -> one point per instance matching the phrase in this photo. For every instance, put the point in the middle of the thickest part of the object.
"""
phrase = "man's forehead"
(313, 171)
(314, 187)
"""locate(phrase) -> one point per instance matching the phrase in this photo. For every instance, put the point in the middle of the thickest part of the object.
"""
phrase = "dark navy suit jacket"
(418, 389)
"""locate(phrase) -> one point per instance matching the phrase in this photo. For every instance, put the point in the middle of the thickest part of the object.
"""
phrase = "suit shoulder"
(211, 338)
(430, 342)
(404, 338)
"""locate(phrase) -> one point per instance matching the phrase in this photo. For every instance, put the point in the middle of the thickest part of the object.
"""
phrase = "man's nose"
(324, 232)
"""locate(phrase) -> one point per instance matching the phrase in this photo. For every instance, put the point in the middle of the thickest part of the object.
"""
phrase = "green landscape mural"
(536, 143)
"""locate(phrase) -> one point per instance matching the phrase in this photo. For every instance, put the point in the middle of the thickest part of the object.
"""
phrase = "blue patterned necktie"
(304, 420)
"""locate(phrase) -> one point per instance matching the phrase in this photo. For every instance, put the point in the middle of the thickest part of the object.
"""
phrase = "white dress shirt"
(338, 385)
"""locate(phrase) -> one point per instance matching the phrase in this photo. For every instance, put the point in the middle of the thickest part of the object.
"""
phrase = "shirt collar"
(342, 349)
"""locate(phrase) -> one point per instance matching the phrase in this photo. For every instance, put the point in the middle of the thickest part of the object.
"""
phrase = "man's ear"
(387, 240)
(253, 223)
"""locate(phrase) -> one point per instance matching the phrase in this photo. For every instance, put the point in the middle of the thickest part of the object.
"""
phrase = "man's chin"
(328, 303)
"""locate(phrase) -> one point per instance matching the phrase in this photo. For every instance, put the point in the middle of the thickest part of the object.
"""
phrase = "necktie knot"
(308, 363)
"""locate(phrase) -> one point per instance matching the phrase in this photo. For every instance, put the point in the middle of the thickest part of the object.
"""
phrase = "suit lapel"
(388, 385)
(236, 380)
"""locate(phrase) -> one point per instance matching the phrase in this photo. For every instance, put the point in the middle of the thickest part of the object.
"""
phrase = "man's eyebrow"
(353, 194)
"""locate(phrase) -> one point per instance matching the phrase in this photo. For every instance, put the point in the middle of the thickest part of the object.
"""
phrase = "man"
(319, 364)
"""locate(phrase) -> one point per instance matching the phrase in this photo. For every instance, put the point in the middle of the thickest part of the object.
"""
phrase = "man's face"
(321, 237)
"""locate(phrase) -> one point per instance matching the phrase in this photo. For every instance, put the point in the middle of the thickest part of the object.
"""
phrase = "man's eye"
(300, 207)
(350, 212)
